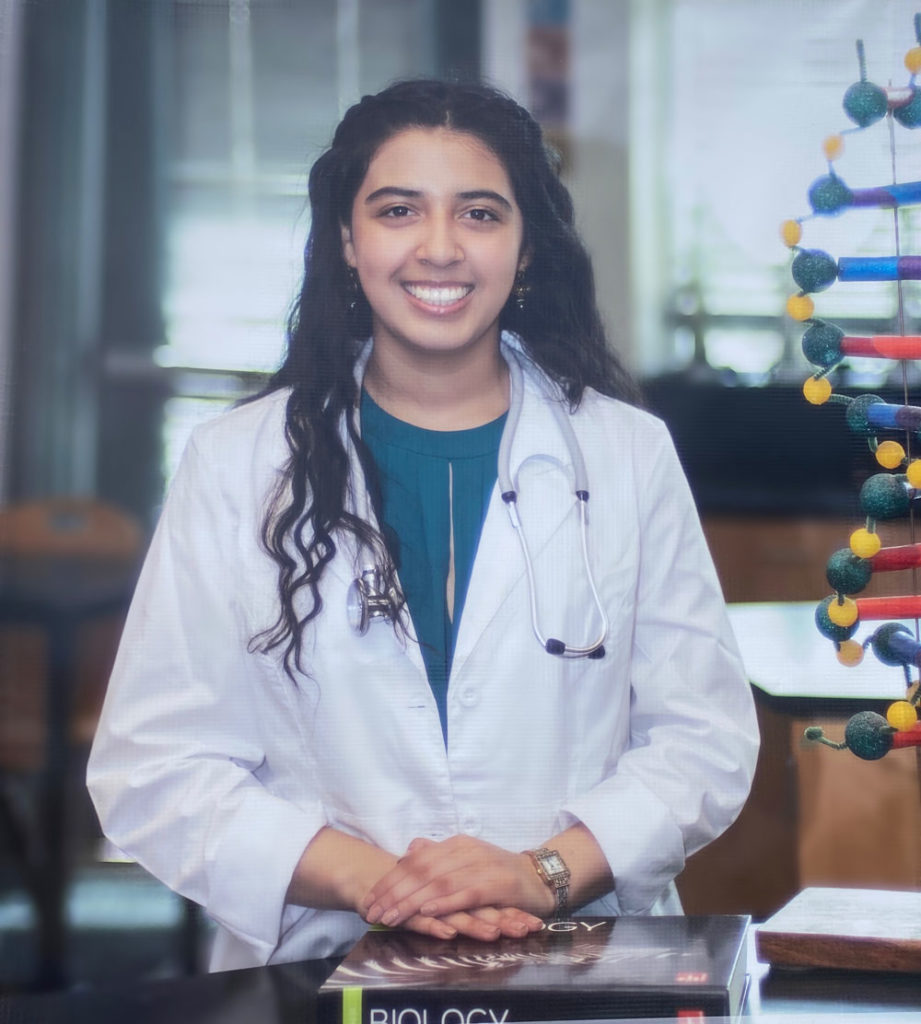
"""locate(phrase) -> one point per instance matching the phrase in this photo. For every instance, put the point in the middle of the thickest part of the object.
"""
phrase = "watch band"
(552, 870)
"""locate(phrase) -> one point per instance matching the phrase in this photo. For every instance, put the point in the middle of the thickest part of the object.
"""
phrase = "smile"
(433, 295)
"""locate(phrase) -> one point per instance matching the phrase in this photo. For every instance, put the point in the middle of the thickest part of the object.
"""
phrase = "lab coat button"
(469, 697)
(470, 826)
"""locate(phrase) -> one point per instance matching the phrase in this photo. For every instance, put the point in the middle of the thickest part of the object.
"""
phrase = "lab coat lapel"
(545, 498)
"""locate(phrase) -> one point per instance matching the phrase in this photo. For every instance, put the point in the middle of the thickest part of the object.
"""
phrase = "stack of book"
(584, 968)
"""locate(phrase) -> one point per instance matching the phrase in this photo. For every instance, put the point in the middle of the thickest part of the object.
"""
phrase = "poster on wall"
(547, 63)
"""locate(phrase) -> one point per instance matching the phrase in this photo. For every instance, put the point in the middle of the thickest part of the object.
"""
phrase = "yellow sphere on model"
(800, 307)
(843, 613)
(833, 147)
(791, 231)
(901, 715)
(850, 653)
(890, 454)
(865, 544)
(817, 390)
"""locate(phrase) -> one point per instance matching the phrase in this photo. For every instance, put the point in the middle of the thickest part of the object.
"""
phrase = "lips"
(440, 296)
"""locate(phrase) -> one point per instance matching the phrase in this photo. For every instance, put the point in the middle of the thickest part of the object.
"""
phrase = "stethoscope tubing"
(367, 602)
(510, 497)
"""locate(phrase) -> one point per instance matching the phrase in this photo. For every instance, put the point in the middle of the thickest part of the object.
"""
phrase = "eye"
(396, 211)
(482, 214)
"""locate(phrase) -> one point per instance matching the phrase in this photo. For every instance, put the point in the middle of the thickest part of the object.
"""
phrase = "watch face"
(553, 863)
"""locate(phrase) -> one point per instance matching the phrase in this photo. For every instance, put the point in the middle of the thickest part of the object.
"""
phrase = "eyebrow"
(411, 193)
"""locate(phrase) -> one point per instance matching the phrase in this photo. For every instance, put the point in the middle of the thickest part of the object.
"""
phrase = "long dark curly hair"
(559, 327)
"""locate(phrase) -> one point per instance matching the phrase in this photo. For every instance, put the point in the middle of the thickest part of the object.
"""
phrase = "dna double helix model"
(891, 430)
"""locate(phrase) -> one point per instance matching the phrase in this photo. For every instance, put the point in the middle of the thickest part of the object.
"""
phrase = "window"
(747, 92)
(255, 89)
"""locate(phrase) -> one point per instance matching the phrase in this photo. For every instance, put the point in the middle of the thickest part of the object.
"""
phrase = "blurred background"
(153, 164)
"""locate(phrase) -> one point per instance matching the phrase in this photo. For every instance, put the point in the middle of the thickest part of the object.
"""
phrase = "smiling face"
(436, 240)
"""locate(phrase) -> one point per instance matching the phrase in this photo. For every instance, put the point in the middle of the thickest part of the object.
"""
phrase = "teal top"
(435, 490)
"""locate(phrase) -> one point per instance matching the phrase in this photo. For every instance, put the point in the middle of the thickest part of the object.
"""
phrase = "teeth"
(437, 296)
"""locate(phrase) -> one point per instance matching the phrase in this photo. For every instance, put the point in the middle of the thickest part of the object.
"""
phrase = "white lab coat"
(214, 770)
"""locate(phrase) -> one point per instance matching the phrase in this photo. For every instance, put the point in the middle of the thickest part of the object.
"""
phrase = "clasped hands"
(460, 885)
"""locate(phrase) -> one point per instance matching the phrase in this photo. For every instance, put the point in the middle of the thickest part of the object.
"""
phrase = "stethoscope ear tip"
(597, 653)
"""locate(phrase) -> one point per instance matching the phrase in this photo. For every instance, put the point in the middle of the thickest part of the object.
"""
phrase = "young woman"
(428, 634)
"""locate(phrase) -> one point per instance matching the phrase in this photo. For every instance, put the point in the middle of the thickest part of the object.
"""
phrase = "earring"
(354, 289)
(521, 290)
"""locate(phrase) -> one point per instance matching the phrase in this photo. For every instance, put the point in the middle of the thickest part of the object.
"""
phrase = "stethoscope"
(370, 599)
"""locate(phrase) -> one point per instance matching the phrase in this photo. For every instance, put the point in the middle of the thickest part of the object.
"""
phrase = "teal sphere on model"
(909, 114)
(856, 414)
(829, 195)
(884, 496)
(822, 344)
(814, 270)
(865, 103)
(847, 573)
(868, 735)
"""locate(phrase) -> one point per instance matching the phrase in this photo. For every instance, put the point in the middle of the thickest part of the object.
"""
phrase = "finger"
(429, 873)
(486, 924)
(434, 879)
(449, 893)
(507, 925)
(510, 921)
(514, 918)
(433, 926)
(473, 925)
(398, 881)
(469, 897)
(437, 894)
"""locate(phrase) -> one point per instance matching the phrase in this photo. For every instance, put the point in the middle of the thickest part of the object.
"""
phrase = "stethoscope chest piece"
(369, 599)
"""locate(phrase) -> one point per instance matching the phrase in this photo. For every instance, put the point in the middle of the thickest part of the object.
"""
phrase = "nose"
(439, 245)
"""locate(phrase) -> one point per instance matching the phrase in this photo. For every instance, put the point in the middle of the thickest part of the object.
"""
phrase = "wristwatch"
(553, 872)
